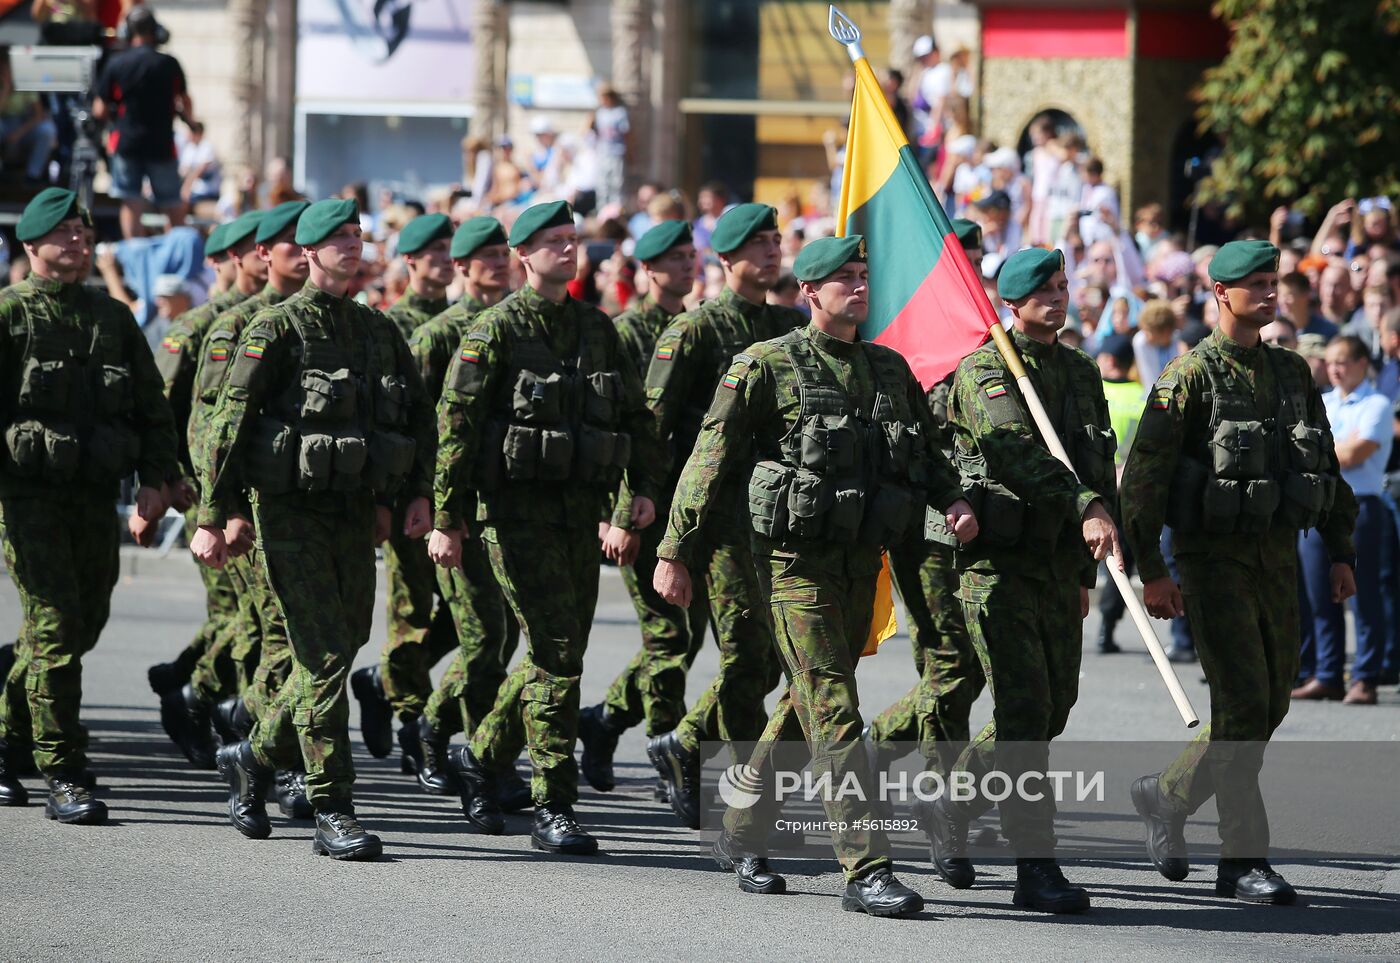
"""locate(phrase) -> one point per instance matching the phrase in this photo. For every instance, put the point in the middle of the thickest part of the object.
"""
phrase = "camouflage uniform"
(325, 369)
(81, 405)
(652, 685)
(691, 357)
(820, 584)
(935, 712)
(418, 635)
(515, 386)
(1020, 578)
(486, 631)
(1237, 584)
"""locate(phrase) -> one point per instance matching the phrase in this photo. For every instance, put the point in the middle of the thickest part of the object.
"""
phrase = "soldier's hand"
(209, 547)
(1163, 598)
(603, 529)
(643, 512)
(383, 523)
(418, 518)
(142, 530)
(238, 536)
(961, 521)
(1101, 535)
(672, 582)
(182, 495)
(445, 547)
(1343, 582)
(150, 503)
(622, 546)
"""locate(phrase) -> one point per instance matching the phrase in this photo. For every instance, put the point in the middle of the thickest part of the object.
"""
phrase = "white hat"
(1003, 158)
(924, 46)
(169, 285)
(542, 125)
(964, 146)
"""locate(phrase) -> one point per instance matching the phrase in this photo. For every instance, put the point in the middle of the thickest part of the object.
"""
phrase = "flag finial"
(845, 32)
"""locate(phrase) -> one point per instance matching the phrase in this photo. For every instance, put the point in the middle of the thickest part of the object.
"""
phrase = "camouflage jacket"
(1176, 422)
(479, 387)
(266, 368)
(45, 322)
(1030, 505)
(178, 360)
(434, 343)
(638, 328)
(411, 310)
(755, 408)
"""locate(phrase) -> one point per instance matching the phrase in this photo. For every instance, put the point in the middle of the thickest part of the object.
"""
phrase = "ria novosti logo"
(740, 786)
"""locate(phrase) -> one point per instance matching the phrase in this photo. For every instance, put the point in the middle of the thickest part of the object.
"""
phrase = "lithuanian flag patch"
(666, 353)
(470, 355)
(219, 353)
(254, 351)
(731, 382)
(171, 344)
(996, 391)
(1161, 401)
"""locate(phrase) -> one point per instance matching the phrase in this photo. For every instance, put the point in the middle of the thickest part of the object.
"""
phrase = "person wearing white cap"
(173, 298)
(544, 159)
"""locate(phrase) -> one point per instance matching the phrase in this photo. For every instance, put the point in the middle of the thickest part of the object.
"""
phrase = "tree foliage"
(1306, 104)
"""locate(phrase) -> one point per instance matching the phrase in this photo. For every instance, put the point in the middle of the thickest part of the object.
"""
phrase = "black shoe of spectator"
(1106, 644)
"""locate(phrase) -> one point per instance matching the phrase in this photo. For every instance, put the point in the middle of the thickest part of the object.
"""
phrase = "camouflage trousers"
(935, 712)
(821, 622)
(212, 674)
(1028, 634)
(652, 686)
(61, 554)
(421, 629)
(1244, 619)
(731, 708)
(266, 661)
(549, 575)
(487, 635)
(321, 569)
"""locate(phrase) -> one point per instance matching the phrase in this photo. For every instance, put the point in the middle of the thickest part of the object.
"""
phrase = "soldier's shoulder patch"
(729, 393)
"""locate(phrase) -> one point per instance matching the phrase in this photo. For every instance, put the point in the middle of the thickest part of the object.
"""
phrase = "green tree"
(1306, 104)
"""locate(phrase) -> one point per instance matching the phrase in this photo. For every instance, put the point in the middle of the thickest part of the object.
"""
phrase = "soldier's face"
(339, 254)
(488, 268)
(674, 271)
(226, 268)
(248, 261)
(64, 248)
(552, 253)
(432, 263)
(285, 258)
(1043, 311)
(1253, 298)
(843, 295)
(758, 260)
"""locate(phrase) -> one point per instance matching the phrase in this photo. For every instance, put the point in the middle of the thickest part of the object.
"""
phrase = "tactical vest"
(1004, 519)
(1253, 470)
(733, 332)
(840, 475)
(72, 413)
(340, 425)
(558, 421)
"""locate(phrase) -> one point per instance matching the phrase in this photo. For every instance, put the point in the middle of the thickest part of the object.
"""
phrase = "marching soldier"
(1234, 452)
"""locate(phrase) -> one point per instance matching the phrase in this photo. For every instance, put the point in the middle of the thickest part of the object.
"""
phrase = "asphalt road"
(168, 878)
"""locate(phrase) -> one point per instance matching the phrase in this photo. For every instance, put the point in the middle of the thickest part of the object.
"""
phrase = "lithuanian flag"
(926, 300)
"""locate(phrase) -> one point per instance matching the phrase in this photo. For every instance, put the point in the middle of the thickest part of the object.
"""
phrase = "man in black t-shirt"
(140, 94)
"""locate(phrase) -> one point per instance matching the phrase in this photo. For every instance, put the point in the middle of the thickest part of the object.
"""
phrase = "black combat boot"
(435, 770)
(1040, 885)
(557, 831)
(167, 677)
(7, 659)
(679, 769)
(186, 718)
(376, 715)
(947, 841)
(20, 760)
(477, 786)
(248, 783)
(1166, 828)
(878, 893)
(290, 787)
(232, 722)
(70, 802)
(340, 836)
(12, 792)
(410, 749)
(752, 871)
(598, 734)
(513, 793)
(1106, 644)
(1254, 881)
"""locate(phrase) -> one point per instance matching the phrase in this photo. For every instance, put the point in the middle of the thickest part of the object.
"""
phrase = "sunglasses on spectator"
(1369, 204)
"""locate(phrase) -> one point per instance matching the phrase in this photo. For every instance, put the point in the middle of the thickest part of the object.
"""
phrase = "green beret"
(741, 222)
(1027, 271)
(968, 233)
(539, 217)
(320, 220)
(238, 230)
(1238, 259)
(476, 233)
(217, 241)
(45, 211)
(277, 220)
(826, 254)
(422, 231)
(661, 239)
